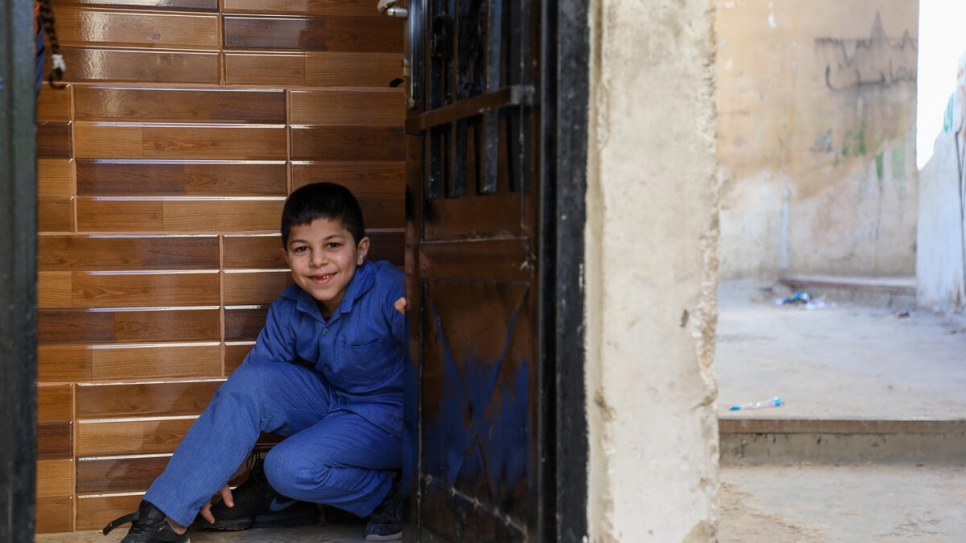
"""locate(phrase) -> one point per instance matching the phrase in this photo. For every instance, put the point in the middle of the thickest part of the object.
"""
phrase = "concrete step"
(319, 533)
(751, 441)
(842, 504)
(894, 292)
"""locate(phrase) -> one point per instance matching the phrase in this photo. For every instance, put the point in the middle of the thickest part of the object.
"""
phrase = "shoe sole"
(390, 537)
(260, 521)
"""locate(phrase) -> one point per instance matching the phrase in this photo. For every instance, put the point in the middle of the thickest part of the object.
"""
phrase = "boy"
(326, 371)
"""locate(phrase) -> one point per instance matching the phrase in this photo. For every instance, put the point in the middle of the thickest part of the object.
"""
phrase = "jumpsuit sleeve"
(276, 341)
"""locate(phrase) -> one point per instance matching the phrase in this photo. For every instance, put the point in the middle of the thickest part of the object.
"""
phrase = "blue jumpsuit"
(341, 413)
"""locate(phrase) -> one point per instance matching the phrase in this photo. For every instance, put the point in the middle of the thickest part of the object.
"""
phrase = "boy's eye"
(333, 245)
(300, 249)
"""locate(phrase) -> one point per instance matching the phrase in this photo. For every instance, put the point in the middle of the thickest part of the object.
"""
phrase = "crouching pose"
(325, 372)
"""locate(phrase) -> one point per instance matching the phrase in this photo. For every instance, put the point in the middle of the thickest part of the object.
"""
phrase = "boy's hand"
(225, 497)
(401, 305)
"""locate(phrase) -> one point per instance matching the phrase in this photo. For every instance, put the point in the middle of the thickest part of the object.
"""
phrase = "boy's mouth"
(322, 278)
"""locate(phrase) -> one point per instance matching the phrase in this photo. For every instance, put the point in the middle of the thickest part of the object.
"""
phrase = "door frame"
(18, 273)
(564, 102)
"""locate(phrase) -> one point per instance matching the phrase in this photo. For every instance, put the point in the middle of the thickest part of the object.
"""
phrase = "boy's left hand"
(401, 305)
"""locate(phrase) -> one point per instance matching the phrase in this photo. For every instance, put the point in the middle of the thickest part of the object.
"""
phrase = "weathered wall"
(941, 259)
(817, 106)
(651, 273)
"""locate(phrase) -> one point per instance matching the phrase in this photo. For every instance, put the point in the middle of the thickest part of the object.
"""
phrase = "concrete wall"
(651, 272)
(817, 114)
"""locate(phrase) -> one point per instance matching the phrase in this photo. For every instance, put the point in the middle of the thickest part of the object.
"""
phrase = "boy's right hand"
(225, 497)
(401, 305)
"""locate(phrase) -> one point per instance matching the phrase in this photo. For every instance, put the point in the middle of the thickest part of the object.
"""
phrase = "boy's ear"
(362, 249)
(285, 254)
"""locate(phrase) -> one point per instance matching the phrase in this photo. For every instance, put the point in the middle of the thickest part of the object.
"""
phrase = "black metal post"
(18, 273)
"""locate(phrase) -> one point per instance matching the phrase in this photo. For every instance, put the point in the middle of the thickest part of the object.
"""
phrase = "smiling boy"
(325, 371)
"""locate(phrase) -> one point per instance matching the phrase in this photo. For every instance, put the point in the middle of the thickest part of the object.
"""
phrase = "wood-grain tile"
(55, 403)
(261, 287)
(388, 245)
(182, 178)
(276, 69)
(91, 26)
(130, 104)
(253, 252)
(165, 5)
(54, 104)
(95, 511)
(119, 65)
(379, 178)
(59, 363)
(138, 436)
(374, 34)
(117, 475)
(230, 215)
(301, 7)
(119, 215)
(82, 326)
(54, 139)
(54, 441)
(235, 354)
(362, 107)
(334, 69)
(55, 478)
(266, 33)
(102, 253)
(55, 514)
(55, 191)
(156, 362)
(54, 290)
(110, 289)
(54, 215)
(348, 143)
(383, 212)
(244, 324)
(174, 398)
(217, 142)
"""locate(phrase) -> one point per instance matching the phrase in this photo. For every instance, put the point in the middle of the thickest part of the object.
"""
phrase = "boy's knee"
(292, 472)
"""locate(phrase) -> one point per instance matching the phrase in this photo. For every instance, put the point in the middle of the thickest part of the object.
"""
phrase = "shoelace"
(119, 521)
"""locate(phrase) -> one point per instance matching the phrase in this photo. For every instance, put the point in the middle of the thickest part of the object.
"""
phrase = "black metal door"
(479, 398)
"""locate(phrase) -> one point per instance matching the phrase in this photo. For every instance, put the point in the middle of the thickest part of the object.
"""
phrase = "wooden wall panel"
(331, 107)
(54, 139)
(177, 5)
(130, 436)
(55, 514)
(61, 326)
(181, 178)
(293, 33)
(88, 253)
(156, 362)
(55, 191)
(127, 104)
(95, 511)
(108, 140)
(244, 323)
(163, 169)
(114, 475)
(141, 66)
(298, 7)
(164, 399)
(86, 26)
(258, 252)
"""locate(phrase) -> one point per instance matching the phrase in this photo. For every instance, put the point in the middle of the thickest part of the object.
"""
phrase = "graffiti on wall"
(876, 61)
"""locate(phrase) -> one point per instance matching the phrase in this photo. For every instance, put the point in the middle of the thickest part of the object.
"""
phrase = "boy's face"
(323, 258)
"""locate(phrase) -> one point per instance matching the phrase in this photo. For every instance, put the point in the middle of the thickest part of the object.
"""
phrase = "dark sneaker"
(257, 505)
(148, 525)
(384, 523)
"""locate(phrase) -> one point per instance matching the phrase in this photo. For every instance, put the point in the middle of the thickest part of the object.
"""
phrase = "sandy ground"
(840, 361)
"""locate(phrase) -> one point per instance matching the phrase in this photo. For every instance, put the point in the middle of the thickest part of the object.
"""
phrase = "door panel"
(472, 267)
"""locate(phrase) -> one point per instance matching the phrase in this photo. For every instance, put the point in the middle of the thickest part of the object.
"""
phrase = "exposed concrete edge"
(893, 285)
(841, 426)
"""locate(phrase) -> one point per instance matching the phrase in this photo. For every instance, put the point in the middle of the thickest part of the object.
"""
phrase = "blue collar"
(361, 282)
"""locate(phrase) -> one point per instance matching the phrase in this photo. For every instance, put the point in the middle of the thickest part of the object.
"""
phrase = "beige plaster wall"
(651, 272)
(817, 115)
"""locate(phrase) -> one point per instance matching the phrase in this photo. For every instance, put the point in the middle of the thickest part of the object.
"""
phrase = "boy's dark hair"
(323, 201)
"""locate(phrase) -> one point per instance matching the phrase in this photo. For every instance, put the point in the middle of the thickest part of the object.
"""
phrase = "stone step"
(749, 441)
(879, 291)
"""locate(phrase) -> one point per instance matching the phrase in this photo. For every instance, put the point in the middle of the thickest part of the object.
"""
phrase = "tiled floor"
(320, 533)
